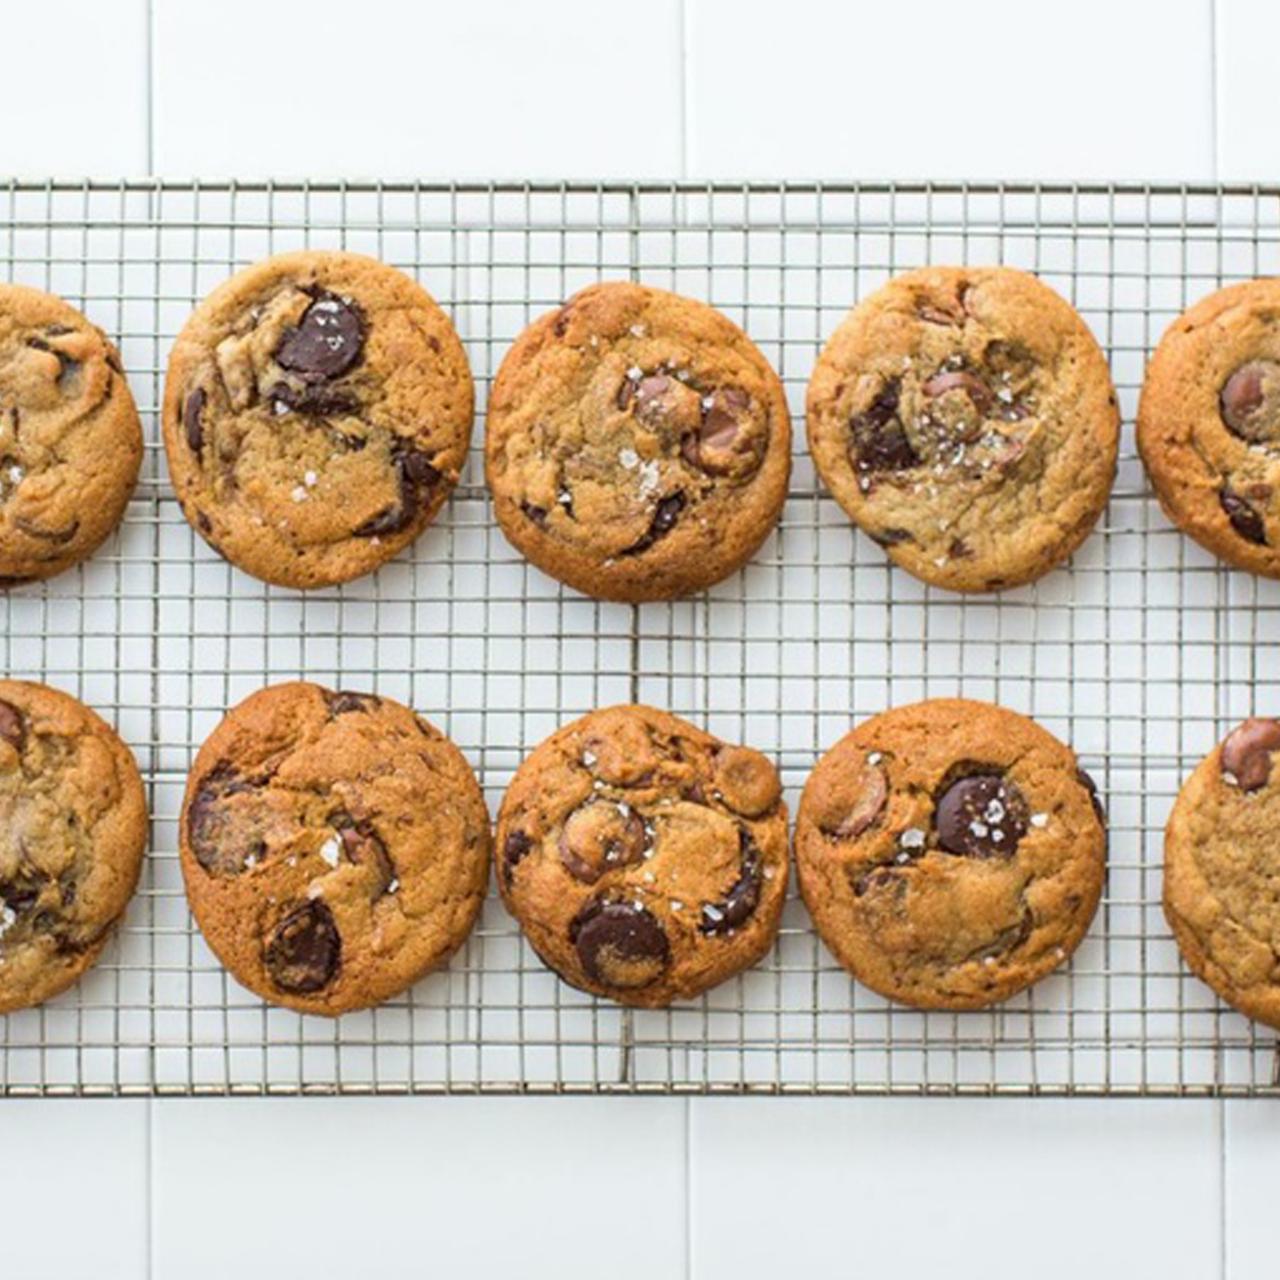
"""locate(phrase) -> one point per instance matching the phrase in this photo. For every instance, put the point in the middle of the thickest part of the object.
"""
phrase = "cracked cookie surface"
(70, 439)
(950, 853)
(335, 846)
(1209, 424)
(317, 413)
(1222, 870)
(638, 445)
(73, 828)
(965, 419)
(645, 860)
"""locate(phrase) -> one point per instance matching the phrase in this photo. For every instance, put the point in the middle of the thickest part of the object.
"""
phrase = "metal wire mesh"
(1141, 653)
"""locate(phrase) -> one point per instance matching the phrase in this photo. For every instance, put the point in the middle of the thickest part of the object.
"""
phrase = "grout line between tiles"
(688, 1188)
(1215, 114)
(685, 96)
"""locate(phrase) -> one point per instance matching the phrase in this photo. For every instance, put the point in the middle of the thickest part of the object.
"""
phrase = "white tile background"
(579, 88)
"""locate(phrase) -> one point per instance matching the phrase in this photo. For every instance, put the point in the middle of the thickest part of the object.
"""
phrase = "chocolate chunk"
(850, 816)
(327, 341)
(891, 537)
(880, 441)
(560, 325)
(304, 950)
(193, 419)
(514, 849)
(1244, 518)
(363, 846)
(626, 392)
(665, 515)
(537, 514)
(620, 944)
(13, 726)
(960, 380)
(1246, 752)
(982, 815)
(212, 835)
(1092, 788)
(879, 878)
(344, 701)
(600, 836)
(415, 478)
(959, 549)
(742, 899)
(729, 441)
(314, 400)
(21, 893)
(1249, 401)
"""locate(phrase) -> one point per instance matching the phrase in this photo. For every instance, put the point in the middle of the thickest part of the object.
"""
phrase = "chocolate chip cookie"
(950, 853)
(965, 419)
(334, 846)
(1209, 424)
(638, 445)
(70, 439)
(73, 827)
(1222, 870)
(645, 860)
(317, 413)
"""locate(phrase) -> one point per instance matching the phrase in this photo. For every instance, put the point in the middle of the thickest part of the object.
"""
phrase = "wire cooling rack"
(1141, 653)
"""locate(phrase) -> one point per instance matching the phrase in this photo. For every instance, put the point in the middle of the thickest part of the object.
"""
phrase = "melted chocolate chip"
(13, 726)
(880, 441)
(1092, 788)
(326, 342)
(1249, 401)
(304, 950)
(312, 399)
(344, 701)
(514, 849)
(363, 846)
(879, 878)
(600, 836)
(1246, 752)
(665, 515)
(851, 816)
(21, 893)
(620, 944)
(982, 815)
(193, 419)
(891, 537)
(960, 380)
(728, 442)
(211, 835)
(742, 899)
(1244, 518)
(537, 514)
(415, 478)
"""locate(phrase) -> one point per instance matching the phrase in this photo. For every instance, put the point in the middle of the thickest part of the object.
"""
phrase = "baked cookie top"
(335, 846)
(73, 827)
(964, 418)
(70, 439)
(638, 445)
(950, 852)
(1209, 424)
(1222, 870)
(317, 413)
(645, 859)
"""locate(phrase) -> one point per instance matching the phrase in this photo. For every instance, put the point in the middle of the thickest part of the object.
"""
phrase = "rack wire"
(1141, 653)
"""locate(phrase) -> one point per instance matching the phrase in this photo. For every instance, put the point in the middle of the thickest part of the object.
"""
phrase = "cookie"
(1222, 870)
(964, 418)
(335, 847)
(70, 439)
(73, 827)
(1209, 424)
(950, 853)
(645, 860)
(317, 413)
(637, 445)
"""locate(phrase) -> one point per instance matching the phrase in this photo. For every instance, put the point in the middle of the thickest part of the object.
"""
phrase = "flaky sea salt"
(1039, 819)
(329, 851)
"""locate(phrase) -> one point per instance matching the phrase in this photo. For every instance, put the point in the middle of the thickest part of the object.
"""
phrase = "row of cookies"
(335, 847)
(318, 410)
